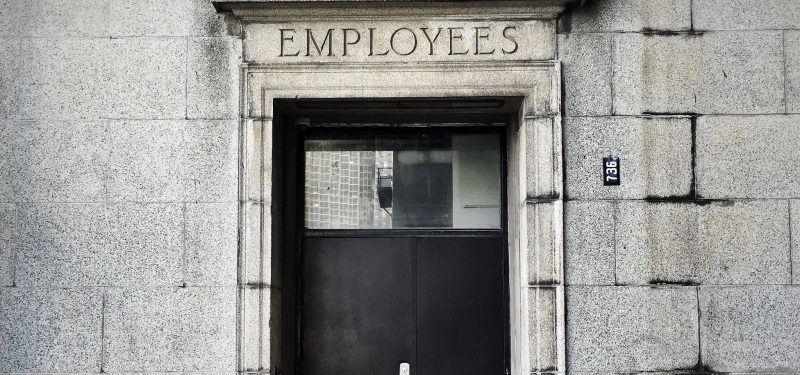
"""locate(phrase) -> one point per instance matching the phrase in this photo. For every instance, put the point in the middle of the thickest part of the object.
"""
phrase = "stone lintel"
(283, 9)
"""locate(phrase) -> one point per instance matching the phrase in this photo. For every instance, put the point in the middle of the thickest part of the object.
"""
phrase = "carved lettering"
(327, 41)
(372, 43)
(487, 40)
(413, 46)
(459, 36)
(431, 41)
(347, 42)
(479, 34)
(289, 38)
(511, 39)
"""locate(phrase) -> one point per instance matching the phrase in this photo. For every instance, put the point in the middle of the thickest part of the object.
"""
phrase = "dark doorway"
(393, 237)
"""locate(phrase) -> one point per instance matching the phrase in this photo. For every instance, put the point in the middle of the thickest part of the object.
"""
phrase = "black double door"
(434, 300)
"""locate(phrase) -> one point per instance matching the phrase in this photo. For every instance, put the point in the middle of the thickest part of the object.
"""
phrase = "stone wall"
(118, 187)
(688, 265)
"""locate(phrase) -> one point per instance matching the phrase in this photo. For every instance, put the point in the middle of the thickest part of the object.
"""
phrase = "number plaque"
(611, 171)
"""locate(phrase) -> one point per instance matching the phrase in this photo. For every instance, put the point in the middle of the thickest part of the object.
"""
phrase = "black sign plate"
(611, 171)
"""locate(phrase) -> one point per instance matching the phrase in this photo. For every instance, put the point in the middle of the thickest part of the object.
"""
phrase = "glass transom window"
(392, 182)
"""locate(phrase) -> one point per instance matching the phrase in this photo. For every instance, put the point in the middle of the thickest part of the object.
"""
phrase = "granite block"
(144, 78)
(542, 337)
(147, 161)
(5, 161)
(746, 15)
(211, 243)
(50, 330)
(211, 161)
(58, 161)
(630, 329)
(794, 232)
(9, 17)
(586, 73)
(589, 229)
(171, 329)
(90, 78)
(213, 78)
(117, 18)
(751, 328)
(748, 156)
(655, 156)
(627, 16)
(9, 71)
(164, 18)
(7, 213)
(72, 244)
(732, 242)
(545, 256)
(792, 52)
(711, 73)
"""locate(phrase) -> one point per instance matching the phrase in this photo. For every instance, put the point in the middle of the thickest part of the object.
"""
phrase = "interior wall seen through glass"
(426, 181)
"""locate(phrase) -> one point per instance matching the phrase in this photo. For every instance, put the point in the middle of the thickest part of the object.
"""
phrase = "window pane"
(430, 181)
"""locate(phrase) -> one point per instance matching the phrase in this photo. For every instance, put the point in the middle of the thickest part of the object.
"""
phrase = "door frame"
(535, 190)
(401, 122)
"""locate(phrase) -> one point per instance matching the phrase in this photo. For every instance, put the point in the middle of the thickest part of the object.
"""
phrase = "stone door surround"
(358, 49)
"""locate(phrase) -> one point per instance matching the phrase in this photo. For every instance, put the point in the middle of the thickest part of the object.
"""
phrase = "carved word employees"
(402, 41)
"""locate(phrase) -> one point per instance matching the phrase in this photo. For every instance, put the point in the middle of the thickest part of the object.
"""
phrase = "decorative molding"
(282, 11)
(535, 209)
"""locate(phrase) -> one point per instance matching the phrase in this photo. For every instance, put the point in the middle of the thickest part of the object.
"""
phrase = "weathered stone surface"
(623, 329)
(5, 161)
(164, 18)
(61, 79)
(175, 329)
(748, 156)
(60, 18)
(543, 165)
(146, 78)
(142, 78)
(628, 15)
(545, 260)
(795, 234)
(98, 244)
(213, 78)
(379, 40)
(7, 212)
(147, 244)
(732, 242)
(96, 18)
(9, 70)
(589, 243)
(211, 160)
(792, 51)
(58, 161)
(586, 69)
(537, 83)
(715, 73)
(542, 320)
(655, 156)
(746, 15)
(751, 328)
(211, 243)
(8, 14)
(147, 161)
(170, 161)
(50, 330)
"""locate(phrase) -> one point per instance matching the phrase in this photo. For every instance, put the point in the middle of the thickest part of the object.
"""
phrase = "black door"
(403, 257)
